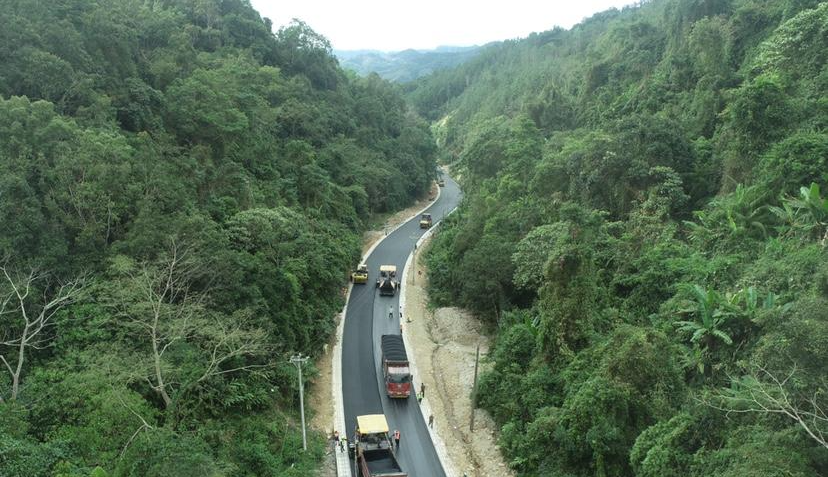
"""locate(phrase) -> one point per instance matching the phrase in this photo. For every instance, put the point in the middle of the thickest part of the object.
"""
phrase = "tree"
(302, 50)
(162, 309)
(162, 452)
(533, 253)
(711, 312)
(123, 123)
(29, 304)
(765, 392)
(741, 214)
(649, 114)
(807, 215)
(759, 113)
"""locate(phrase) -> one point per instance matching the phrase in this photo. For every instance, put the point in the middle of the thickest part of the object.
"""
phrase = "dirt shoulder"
(444, 344)
(319, 390)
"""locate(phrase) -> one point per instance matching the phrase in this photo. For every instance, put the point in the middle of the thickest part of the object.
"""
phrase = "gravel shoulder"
(445, 341)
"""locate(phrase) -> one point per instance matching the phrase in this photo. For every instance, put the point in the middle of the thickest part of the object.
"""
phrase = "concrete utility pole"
(298, 360)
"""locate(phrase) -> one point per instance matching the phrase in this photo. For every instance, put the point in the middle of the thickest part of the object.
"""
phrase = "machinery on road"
(372, 447)
(425, 221)
(360, 275)
(395, 367)
(387, 281)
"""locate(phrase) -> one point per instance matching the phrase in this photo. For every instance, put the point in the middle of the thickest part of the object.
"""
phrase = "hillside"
(182, 194)
(407, 65)
(645, 230)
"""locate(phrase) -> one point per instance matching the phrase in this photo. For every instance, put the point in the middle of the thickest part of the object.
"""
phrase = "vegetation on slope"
(181, 195)
(406, 65)
(645, 226)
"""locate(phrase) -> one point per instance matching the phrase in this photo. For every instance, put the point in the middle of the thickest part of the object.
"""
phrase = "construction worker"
(343, 444)
(397, 438)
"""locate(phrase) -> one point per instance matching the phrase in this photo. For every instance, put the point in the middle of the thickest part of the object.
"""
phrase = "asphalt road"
(367, 320)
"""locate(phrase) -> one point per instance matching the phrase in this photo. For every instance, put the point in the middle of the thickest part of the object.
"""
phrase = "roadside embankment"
(444, 343)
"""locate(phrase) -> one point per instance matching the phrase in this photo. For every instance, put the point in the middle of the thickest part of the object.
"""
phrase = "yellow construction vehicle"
(372, 448)
(360, 275)
(425, 221)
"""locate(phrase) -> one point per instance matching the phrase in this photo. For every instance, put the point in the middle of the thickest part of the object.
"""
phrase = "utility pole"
(298, 360)
(474, 389)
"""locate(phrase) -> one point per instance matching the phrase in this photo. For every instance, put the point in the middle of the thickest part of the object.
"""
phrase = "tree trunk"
(160, 387)
(20, 357)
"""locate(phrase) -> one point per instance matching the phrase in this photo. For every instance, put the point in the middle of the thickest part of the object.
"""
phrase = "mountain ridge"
(405, 65)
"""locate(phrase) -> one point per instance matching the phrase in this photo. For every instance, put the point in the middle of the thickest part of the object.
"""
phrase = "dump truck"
(395, 367)
(387, 281)
(372, 448)
(425, 221)
(360, 275)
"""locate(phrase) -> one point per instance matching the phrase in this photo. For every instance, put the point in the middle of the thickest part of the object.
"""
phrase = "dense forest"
(182, 192)
(645, 229)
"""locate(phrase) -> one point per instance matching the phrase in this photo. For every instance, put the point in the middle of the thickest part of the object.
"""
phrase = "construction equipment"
(374, 453)
(425, 221)
(387, 282)
(395, 367)
(360, 275)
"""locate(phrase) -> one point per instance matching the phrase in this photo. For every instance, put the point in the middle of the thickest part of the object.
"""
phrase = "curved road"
(363, 387)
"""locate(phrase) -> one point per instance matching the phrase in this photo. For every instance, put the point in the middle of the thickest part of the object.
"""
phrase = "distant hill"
(404, 65)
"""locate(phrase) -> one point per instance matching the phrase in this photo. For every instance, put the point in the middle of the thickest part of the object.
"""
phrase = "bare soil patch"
(445, 341)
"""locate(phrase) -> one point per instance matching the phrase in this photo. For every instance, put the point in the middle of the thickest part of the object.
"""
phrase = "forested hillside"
(182, 193)
(645, 229)
(405, 65)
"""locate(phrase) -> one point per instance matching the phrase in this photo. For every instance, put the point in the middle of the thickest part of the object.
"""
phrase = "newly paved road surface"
(367, 319)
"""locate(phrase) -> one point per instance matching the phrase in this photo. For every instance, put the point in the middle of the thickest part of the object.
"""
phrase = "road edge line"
(343, 463)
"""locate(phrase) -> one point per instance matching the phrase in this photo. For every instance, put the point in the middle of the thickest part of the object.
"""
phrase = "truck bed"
(393, 348)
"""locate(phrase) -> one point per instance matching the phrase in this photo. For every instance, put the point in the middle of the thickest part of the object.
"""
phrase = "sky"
(425, 24)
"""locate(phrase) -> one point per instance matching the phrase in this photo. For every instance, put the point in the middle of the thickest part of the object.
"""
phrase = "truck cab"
(373, 449)
(425, 221)
(395, 368)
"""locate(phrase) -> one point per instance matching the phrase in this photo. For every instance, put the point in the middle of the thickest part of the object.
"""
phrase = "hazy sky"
(423, 24)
